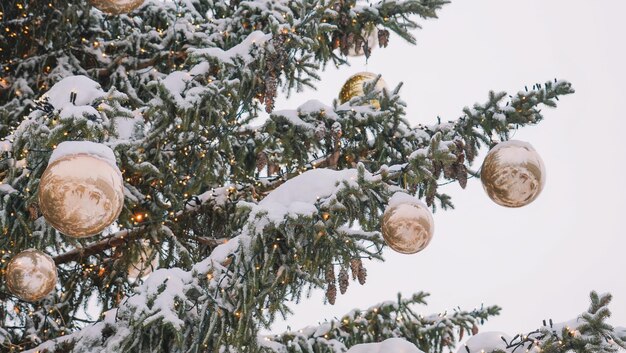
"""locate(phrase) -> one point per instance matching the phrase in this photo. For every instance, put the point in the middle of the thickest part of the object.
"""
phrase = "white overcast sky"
(540, 261)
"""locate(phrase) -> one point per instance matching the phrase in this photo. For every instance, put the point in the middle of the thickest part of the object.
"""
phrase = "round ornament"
(407, 224)
(116, 7)
(354, 87)
(369, 35)
(513, 174)
(31, 275)
(145, 261)
(81, 190)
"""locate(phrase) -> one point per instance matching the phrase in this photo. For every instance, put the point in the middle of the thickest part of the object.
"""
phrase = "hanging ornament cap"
(513, 174)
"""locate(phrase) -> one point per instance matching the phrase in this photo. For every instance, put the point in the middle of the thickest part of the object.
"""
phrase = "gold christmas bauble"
(354, 87)
(116, 7)
(81, 194)
(407, 227)
(513, 174)
(31, 275)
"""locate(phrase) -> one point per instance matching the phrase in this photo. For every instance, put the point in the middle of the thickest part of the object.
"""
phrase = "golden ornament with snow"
(407, 226)
(81, 190)
(31, 275)
(513, 174)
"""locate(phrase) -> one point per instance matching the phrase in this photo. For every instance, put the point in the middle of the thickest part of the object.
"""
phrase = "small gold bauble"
(116, 7)
(31, 275)
(81, 194)
(407, 227)
(513, 174)
(354, 87)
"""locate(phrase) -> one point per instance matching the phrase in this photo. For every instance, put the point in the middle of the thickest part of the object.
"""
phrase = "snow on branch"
(588, 333)
(239, 52)
(384, 321)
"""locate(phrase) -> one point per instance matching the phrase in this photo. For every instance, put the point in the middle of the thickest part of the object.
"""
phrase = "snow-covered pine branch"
(589, 332)
(433, 333)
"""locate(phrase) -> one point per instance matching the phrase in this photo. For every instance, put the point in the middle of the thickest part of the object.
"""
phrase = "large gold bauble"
(407, 227)
(80, 194)
(513, 174)
(31, 275)
(354, 87)
(116, 7)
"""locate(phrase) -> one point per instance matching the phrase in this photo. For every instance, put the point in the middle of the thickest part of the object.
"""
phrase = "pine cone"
(261, 160)
(271, 85)
(359, 44)
(461, 175)
(474, 329)
(273, 69)
(448, 171)
(344, 20)
(330, 275)
(344, 280)
(355, 264)
(337, 6)
(337, 131)
(437, 168)
(362, 275)
(349, 42)
(431, 191)
(383, 38)
(331, 293)
(33, 211)
(469, 152)
(460, 154)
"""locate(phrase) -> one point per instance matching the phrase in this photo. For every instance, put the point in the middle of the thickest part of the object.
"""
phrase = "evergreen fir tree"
(239, 218)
